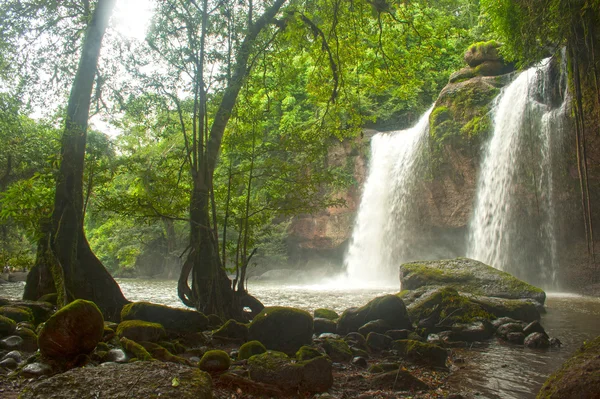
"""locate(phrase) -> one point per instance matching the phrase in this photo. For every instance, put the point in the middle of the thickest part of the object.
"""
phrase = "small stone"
(378, 342)
(537, 341)
(116, 356)
(503, 320)
(12, 342)
(555, 343)
(360, 362)
(36, 370)
(507, 328)
(329, 336)
(9, 363)
(14, 355)
(515, 338)
(356, 339)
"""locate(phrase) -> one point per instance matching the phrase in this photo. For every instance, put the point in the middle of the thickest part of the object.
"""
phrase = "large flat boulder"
(468, 276)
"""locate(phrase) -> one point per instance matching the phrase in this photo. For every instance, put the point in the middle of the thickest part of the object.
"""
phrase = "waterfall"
(386, 219)
(513, 224)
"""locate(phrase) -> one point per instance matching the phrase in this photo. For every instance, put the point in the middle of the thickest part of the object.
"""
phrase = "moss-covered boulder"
(282, 329)
(389, 308)
(163, 354)
(73, 330)
(30, 343)
(215, 361)
(378, 342)
(41, 310)
(441, 308)
(214, 321)
(326, 314)
(50, 298)
(276, 368)
(7, 326)
(421, 352)
(306, 353)
(322, 325)
(470, 276)
(233, 331)
(173, 319)
(250, 349)
(338, 350)
(135, 350)
(578, 377)
(519, 309)
(135, 380)
(139, 330)
(17, 313)
(481, 52)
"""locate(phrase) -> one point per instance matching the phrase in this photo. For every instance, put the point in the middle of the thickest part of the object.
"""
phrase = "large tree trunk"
(75, 269)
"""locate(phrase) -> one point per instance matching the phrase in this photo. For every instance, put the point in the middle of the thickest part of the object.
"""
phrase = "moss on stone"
(388, 307)
(232, 330)
(17, 313)
(135, 349)
(50, 298)
(338, 350)
(326, 314)
(250, 349)
(215, 361)
(306, 353)
(282, 328)
(173, 319)
(7, 326)
(139, 330)
(270, 360)
(421, 352)
(162, 354)
(102, 346)
(383, 367)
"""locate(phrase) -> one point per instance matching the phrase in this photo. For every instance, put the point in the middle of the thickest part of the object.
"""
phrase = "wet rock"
(338, 350)
(379, 326)
(467, 275)
(555, 343)
(476, 331)
(162, 354)
(329, 336)
(398, 380)
(306, 353)
(29, 339)
(507, 328)
(503, 320)
(378, 342)
(9, 363)
(11, 343)
(135, 349)
(282, 328)
(14, 355)
(533, 327)
(360, 361)
(135, 380)
(17, 313)
(537, 341)
(389, 308)
(215, 361)
(250, 349)
(326, 314)
(317, 375)
(50, 298)
(420, 352)
(7, 326)
(578, 377)
(516, 338)
(520, 309)
(176, 320)
(233, 331)
(397, 334)
(139, 330)
(356, 339)
(41, 311)
(116, 356)
(73, 330)
(322, 325)
(35, 370)
(481, 52)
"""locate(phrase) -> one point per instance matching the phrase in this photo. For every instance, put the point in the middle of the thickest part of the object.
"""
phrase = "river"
(494, 369)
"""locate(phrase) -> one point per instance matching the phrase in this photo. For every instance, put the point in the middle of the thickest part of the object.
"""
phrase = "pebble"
(36, 370)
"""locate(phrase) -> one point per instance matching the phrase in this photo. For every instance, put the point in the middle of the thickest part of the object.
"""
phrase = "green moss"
(326, 314)
(135, 349)
(421, 352)
(215, 360)
(162, 354)
(102, 346)
(50, 298)
(7, 325)
(306, 353)
(232, 330)
(282, 328)
(338, 350)
(449, 306)
(140, 330)
(250, 349)
(178, 320)
(484, 46)
(270, 360)
(17, 313)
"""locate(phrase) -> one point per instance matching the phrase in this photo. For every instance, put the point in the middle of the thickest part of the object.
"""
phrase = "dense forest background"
(317, 74)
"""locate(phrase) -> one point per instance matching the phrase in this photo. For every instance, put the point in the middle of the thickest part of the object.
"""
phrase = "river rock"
(326, 314)
(503, 320)
(282, 329)
(11, 343)
(537, 341)
(14, 355)
(470, 276)
(233, 331)
(116, 356)
(30, 343)
(139, 330)
(215, 361)
(378, 326)
(481, 52)
(7, 326)
(17, 313)
(397, 334)
(476, 331)
(421, 352)
(135, 380)
(338, 350)
(507, 328)
(251, 348)
(322, 325)
(533, 327)
(578, 377)
(34, 370)
(515, 338)
(174, 319)
(40, 310)
(378, 342)
(389, 308)
(9, 363)
(356, 339)
(75, 329)
(520, 309)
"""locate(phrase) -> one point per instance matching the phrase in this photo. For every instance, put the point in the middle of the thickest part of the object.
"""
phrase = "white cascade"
(513, 224)
(385, 223)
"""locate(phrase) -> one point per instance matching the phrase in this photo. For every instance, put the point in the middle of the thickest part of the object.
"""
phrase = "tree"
(65, 263)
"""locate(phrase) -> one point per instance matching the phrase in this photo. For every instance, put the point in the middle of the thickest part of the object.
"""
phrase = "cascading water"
(513, 224)
(385, 222)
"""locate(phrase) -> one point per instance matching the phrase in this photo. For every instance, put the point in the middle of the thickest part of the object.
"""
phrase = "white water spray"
(513, 224)
(385, 221)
